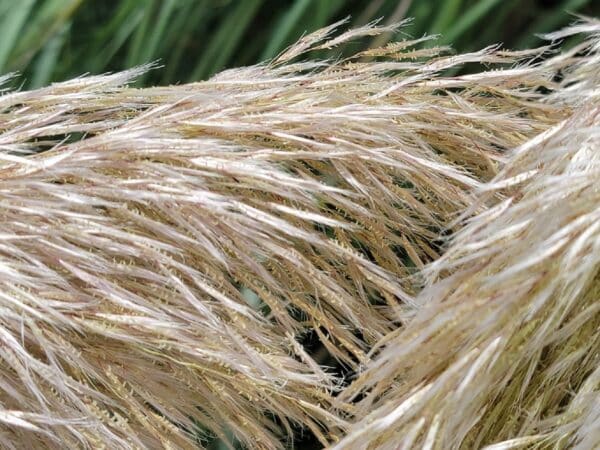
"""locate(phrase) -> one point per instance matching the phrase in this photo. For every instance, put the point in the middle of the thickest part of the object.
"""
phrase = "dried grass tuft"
(505, 349)
(164, 250)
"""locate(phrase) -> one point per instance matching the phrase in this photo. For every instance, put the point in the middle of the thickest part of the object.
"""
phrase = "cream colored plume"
(165, 251)
(504, 351)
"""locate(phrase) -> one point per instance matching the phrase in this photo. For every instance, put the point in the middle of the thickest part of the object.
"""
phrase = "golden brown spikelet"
(504, 351)
(163, 250)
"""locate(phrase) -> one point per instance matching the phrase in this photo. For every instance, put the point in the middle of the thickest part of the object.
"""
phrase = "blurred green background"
(52, 40)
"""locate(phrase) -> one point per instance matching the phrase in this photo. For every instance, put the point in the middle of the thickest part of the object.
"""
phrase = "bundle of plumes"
(165, 252)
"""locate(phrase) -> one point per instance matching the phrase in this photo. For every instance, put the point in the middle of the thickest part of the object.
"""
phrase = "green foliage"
(51, 40)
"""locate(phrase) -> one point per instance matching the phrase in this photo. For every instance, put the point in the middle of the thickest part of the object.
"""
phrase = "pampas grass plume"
(166, 251)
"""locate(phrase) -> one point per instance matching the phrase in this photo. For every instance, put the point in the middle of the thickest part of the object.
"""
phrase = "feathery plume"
(504, 350)
(164, 250)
